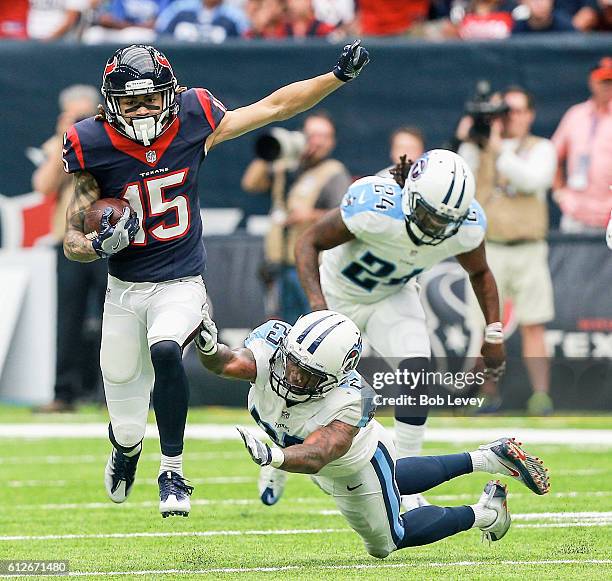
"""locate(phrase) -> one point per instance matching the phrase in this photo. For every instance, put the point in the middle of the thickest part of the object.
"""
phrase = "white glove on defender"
(260, 452)
(206, 339)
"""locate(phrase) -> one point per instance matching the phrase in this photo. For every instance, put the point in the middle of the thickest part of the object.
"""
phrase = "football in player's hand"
(93, 215)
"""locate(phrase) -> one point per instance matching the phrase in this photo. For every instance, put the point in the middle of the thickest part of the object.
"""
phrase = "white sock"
(135, 450)
(172, 464)
(479, 461)
(408, 439)
(483, 517)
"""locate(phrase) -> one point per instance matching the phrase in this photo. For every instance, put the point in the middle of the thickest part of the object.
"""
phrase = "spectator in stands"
(476, 20)
(201, 20)
(543, 18)
(408, 141)
(584, 147)
(267, 18)
(80, 287)
(301, 21)
(486, 19)
(604, 16)
(583, 13)
(124, 21)
(513, 170)
(54, 19)
(14, 19)
(302, 190)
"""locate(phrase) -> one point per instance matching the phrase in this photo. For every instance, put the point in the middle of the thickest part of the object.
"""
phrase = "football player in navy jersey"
(146, 147)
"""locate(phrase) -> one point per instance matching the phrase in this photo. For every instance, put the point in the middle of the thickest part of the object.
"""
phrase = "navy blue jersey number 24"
(369, 271)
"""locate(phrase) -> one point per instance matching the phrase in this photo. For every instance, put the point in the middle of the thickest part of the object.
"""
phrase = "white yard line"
(309, 568)
(148, 481)
(570, 437)
(299, 500)
(559, 520)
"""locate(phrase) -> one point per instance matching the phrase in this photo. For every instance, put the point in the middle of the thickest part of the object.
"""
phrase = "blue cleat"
(271, 484)
(174, 495)
(119, 475)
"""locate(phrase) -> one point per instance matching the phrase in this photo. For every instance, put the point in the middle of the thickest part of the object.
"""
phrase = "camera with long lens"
(279, 143)
(482, 109)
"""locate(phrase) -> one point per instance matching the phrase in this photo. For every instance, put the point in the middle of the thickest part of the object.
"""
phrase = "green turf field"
(54, 503)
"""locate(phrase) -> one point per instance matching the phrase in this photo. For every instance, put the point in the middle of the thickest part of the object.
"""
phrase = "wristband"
(278, 457)
(494, 333)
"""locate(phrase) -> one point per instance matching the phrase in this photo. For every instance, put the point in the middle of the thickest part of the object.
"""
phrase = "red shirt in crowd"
(382, 17)
(14, 19)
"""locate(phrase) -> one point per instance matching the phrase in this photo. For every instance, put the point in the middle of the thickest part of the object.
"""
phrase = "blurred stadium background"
(50, 482)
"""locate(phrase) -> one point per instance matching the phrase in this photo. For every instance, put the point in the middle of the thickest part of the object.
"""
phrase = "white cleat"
(271, 484)
(119, 475)
(412, 501)
(494, 498)
(505, 456)
(174, 495)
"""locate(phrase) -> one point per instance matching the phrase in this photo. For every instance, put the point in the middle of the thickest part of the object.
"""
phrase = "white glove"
(206, 339)
(260, 452)
(609, 233)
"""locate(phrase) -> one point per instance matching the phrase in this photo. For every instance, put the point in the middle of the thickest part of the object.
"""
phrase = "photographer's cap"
(603, 71)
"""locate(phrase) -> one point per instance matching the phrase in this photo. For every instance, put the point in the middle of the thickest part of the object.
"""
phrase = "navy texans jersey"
(159, 182)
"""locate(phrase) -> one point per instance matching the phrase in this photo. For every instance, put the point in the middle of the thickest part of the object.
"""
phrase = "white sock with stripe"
(172, 464)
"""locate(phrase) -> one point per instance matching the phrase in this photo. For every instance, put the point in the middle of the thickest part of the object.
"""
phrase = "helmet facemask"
(294, 381)
(142, 129)
(426, 225)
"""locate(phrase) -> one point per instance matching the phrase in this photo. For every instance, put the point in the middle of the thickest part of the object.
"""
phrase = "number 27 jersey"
(160, 183)
(382, 258)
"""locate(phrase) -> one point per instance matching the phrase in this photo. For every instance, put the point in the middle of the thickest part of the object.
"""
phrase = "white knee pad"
(119, 360)
(128, 434)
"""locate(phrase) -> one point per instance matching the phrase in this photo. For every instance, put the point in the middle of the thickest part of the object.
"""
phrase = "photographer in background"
(304, 182)
(80, 287)
(514, 170)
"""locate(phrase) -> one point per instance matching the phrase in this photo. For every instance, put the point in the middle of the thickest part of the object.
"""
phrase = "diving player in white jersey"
(308, 398)
(386, 232)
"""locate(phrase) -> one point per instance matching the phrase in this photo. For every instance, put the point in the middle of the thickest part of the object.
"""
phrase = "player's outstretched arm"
(231, 363)
(483, 282)
(219, 358)
(319, 449)
(86, 192)
(292, 99)
(330, 231)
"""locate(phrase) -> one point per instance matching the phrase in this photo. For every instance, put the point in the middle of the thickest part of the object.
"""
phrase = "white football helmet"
(437, 196)
(321, 348)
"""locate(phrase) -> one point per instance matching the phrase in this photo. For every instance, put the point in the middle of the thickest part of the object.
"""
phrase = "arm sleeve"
(72, 152)
(332, 193)
(533, 174)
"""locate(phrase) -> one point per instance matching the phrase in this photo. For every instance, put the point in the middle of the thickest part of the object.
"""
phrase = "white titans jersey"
(291, 423)
(382, 258)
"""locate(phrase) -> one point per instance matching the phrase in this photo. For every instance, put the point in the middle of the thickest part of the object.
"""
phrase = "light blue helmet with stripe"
(437, 196)
(321, 348)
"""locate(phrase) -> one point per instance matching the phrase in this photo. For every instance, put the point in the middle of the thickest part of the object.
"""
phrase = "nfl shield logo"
(151, 156)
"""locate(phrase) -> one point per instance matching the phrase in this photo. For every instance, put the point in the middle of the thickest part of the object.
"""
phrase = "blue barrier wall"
(406, 83)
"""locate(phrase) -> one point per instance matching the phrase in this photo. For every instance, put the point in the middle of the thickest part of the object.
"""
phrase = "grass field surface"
(53, 506)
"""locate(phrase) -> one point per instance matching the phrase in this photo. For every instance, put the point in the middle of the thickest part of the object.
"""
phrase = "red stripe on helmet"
(110, 67)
